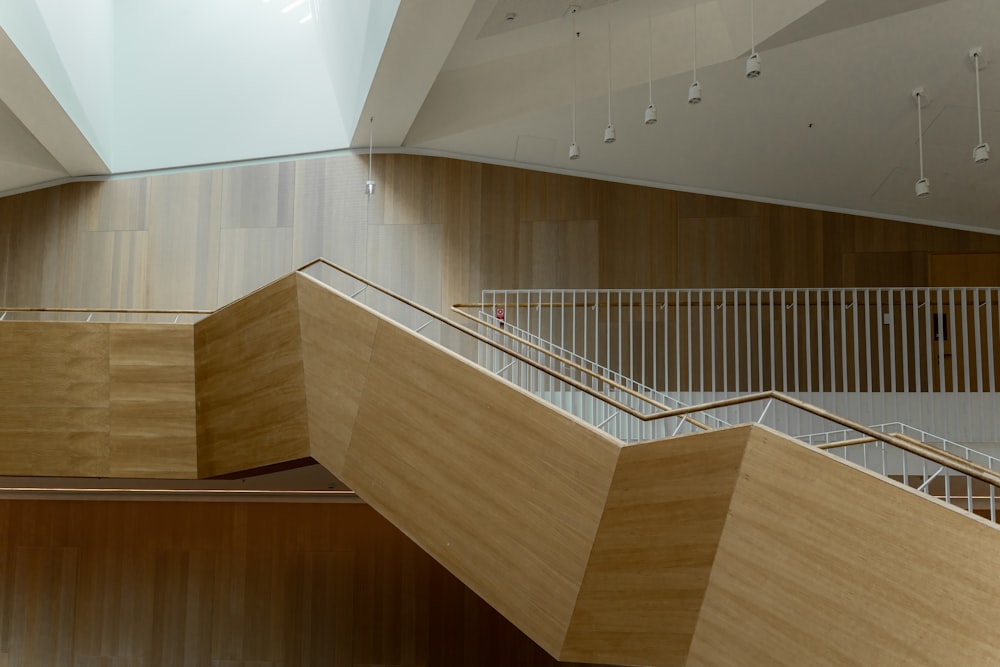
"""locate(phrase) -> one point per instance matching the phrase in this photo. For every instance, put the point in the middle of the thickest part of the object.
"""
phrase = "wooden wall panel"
(250, 386)
(152, 395)
(461, 483)
(908, 580)
(250, 258)
(553, 254)
(330, 217)
(963, 269)
(102, 262)
(260, 195)
(121, 205)
(204, 238)
(77, 400)
(637, 237)
(500, 219)
(184, 229)
(54, 398)
(641, 597)
(103, 584)
(335, 367)
(407, 259)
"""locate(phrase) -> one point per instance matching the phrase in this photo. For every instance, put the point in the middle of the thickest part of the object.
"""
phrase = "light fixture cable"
(981, 153)
(694, 90)
(920, 134)
(922, 188)
(979, 102)
(753, 62)
(574, 150)
(694, 44)
(650, 110)
(609, 131)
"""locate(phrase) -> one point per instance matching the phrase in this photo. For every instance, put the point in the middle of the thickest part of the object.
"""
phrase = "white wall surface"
(70, 46)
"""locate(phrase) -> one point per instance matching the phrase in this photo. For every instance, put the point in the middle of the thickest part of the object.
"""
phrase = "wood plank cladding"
(437, 229)
(502, 490)
(250, 383)
(337, 342)
(656, 577)
(105, 584)
(79, 399)
(152, 406)
(810, 573)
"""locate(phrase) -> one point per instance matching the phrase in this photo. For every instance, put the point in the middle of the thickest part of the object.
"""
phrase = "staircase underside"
(733, 547)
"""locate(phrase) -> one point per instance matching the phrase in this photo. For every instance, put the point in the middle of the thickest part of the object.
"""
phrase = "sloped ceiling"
(830, 123)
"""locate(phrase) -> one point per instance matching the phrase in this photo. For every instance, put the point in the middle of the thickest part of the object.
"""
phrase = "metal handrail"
(125, 311)
(974, 471)
(993, 463)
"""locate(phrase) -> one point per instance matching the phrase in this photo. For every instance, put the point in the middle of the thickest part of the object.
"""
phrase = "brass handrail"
(900, 442)
(483, 339)
(126, 311)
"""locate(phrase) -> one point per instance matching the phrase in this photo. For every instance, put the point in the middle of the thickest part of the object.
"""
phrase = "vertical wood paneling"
(184, 234)
(407, 259)
(546, 249)
(251, 258)
(330, 212)
(102, 584)
(499, 227)
(203, 238)
(258, 196)
(152, 396)
(112, 265)
(250, 383)
(121, 205)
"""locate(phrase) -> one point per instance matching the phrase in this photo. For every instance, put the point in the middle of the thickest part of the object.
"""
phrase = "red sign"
(501, 314)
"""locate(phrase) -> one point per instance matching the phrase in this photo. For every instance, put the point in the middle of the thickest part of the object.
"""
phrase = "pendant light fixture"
(923, 185)
(753, 62)
(574, 150)
(981, 153)
(370, 183)
(609, 131)
(694, 90)
(650, 110)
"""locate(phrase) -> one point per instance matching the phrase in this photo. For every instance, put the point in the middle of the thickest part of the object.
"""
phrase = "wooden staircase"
(732, 547)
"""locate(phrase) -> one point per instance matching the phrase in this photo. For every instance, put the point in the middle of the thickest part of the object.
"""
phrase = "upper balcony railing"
(728, 341)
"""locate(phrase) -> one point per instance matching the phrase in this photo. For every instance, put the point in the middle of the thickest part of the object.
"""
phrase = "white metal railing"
(630, 415)
(977, 496)
(561, 353)
(793, 340)
(967, 453)
(102, 315)
(768, 417)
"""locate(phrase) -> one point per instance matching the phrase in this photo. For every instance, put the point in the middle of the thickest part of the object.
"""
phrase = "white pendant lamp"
(650, 117)
(753, 62)
(609, 131)
(981, 153)
(574, 150)
(370, 183)
(694, 90)
(922, 188)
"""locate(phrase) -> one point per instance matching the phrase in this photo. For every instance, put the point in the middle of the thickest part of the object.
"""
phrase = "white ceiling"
(830, 123)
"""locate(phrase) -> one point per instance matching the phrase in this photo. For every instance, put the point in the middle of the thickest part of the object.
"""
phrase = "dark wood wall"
(149, 584)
